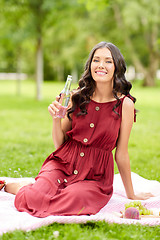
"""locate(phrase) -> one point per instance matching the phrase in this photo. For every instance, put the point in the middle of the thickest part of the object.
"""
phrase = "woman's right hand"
(59, 127)
(53, 108)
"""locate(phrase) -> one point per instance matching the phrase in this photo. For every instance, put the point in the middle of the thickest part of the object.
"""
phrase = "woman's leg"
(80, 198)
(14, 187)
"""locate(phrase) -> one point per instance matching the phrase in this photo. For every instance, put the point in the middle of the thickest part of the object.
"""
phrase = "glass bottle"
(64, 98)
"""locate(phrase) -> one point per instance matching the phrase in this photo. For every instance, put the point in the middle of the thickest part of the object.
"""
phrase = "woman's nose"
(101, 64)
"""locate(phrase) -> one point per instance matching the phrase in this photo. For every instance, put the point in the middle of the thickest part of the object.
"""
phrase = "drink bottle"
(64, 98)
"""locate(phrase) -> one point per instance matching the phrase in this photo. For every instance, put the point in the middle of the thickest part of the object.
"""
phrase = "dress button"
(82, 154)
(91, 125)
(97, 108)
(75, 172)
(65, 180)
(58, 181)
(85, 140)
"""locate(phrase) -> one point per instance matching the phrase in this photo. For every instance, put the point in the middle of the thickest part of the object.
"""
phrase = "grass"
(89, 231)
(145, 136)
(26, 141)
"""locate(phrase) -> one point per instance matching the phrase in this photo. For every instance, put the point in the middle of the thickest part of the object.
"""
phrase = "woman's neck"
(103, 93)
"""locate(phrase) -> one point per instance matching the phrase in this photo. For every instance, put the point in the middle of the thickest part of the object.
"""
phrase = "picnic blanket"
(11, 219)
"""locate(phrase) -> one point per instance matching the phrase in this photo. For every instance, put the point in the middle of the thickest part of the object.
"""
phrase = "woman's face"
(102, 65)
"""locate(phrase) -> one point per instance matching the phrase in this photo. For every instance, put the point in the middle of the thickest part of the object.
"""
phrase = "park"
(46, 49)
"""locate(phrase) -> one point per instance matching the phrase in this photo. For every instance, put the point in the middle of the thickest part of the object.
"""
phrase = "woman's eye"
(108, 61)
(95, 60)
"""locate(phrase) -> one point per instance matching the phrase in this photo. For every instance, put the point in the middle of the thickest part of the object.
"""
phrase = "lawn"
(25, 142)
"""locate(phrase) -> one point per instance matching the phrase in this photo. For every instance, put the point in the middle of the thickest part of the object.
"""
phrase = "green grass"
(145, 136)
(25, 142)
(89, 231)
(25, 128)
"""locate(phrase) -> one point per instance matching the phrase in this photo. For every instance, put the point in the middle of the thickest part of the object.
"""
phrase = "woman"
(77, 178)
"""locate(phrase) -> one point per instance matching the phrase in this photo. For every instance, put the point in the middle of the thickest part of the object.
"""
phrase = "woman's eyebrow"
(105, 58)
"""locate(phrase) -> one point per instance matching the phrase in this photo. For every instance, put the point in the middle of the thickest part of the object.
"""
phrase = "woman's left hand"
(143, 196)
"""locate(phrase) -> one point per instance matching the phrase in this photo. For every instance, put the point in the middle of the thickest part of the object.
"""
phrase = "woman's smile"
(101, 73)
(102, 65)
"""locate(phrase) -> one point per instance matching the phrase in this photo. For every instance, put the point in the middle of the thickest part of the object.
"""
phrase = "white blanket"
(11, 219)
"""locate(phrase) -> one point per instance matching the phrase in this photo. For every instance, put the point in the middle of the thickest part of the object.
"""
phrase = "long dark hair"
(83, 94)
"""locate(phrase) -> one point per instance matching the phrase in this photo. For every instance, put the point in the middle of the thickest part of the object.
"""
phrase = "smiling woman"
(77, 178)
(102, 67)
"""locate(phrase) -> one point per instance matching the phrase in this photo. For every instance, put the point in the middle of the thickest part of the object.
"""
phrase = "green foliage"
(139, 19)
(26, 141)
(69, 29)
(95, 4)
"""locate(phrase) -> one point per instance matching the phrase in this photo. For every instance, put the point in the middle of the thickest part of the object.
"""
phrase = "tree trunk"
(39, 69)
(60, 73)
(18, 82)
(150, 71)
(134, 56)
(74, 74)
(149, 79)
(153, 57)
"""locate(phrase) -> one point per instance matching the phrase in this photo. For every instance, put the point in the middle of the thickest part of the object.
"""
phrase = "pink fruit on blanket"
(132, 213)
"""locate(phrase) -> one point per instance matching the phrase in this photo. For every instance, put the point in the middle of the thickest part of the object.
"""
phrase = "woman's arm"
(121, 154)
(60, 127)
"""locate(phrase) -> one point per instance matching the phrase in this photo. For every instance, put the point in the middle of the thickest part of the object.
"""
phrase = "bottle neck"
(68, 83)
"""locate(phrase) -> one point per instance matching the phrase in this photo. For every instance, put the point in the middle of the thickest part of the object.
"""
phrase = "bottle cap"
(69, 76)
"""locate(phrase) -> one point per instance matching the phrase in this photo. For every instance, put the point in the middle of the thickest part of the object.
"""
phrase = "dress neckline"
(108, 101)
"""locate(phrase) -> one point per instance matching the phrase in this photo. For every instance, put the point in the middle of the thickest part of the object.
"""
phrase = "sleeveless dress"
(77, 178)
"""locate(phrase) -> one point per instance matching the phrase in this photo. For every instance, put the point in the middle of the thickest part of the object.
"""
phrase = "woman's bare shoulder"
(128, 103)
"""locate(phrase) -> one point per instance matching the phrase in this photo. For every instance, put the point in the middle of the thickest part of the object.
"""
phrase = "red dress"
(77, 179)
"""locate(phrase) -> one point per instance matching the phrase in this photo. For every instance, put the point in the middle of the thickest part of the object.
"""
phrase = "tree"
(12, 37)
(140, 23)
(68, 49)
(136, 31)
(37, 12)
(65, 31)
(35, 15)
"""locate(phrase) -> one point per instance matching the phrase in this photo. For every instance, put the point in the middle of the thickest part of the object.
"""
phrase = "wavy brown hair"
(83, 94)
